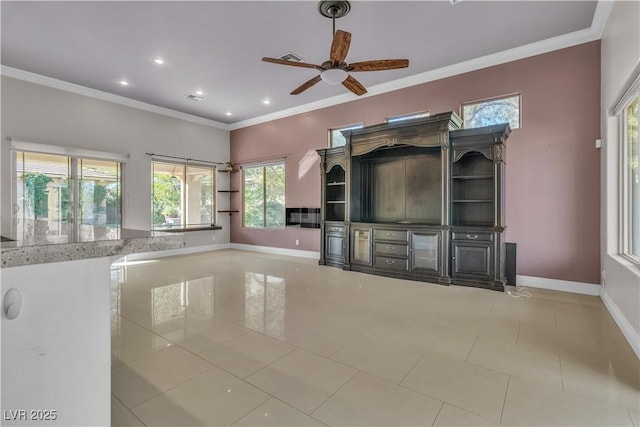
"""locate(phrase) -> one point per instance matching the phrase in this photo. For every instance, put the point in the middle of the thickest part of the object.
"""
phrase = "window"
(631, 180)
(401, 118)
(493, 111)
(66, 199)
(182, 195)
(263, 196)
(336, 138)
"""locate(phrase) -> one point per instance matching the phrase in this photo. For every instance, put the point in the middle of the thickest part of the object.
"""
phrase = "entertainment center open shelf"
(420, 199)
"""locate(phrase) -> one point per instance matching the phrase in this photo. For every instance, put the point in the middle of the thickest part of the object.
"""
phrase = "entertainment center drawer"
(330, 228)
(392, 249)
(393, 263)
(480, 236)
(387, 234)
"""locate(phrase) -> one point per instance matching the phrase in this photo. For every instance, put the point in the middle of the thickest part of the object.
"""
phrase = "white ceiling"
(216, 46)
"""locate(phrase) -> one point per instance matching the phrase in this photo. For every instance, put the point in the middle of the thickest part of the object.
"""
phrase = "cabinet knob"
(12, 303)
(391, 261)
(472, 236)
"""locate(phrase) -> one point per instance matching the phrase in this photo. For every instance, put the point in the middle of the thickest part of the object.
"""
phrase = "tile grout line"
(128, 410)
(471, 349)
(413, 367)
(504, 403)
(357, 371)
(561, 373)
(250, 410)
(266, 365)
(445, 401)
(438, 414)
(176, 385)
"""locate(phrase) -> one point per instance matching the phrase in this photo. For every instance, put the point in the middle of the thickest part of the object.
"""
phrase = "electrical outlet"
(297, 242)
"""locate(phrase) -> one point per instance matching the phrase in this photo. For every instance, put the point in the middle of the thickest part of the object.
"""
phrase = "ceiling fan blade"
(379, 65)
(306, 85)
(354, 86)
(291, 63)
(340, 46)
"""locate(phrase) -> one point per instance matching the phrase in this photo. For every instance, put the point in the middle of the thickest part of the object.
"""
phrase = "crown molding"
(603, 8)
(601, 16)
(30, 77)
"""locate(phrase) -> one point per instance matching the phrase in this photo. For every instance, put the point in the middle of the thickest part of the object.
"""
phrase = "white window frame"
(339, 129)
(183, 202)
(631, 95)
(74, 154)
(263, 165)
(402, 117)
(494, 98)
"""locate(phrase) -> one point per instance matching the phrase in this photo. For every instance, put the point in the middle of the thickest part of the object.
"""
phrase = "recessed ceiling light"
(228, 113)
(158, 61)
(199, 93)
(266, 102)
(123, 82)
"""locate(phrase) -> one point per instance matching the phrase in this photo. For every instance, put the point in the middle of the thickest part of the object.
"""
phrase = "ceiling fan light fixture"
(334, 76)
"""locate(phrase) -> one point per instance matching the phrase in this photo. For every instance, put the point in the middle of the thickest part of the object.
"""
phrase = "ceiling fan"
(336, 70)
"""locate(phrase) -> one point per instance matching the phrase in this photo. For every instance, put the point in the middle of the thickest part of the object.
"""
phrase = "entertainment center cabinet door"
(334, 243)
(425, 251)
(361, 246)
(472, 259)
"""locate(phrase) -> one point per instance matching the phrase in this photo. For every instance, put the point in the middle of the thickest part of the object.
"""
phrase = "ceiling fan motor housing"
(334, 8)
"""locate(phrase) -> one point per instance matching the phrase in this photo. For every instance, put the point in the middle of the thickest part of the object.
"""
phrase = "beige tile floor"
(239, 338)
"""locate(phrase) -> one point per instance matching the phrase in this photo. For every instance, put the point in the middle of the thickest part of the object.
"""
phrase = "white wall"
(55, 354)
(41, 114)
(620, 56)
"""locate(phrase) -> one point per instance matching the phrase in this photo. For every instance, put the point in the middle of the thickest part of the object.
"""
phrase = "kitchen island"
(56, 358)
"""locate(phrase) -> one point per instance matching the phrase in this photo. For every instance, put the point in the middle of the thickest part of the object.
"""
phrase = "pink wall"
(553, 167)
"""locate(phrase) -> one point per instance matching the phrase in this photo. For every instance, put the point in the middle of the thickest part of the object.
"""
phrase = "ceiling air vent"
(290, 56)
(194, 97)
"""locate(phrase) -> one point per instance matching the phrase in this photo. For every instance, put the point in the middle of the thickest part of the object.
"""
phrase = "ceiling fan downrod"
(334, 9)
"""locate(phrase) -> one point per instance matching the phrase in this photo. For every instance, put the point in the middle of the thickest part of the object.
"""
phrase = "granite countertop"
(39, 251)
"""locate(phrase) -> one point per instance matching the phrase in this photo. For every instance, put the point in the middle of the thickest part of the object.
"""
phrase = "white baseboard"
(277, 251)
(627, 329)
(173, 252)
(559, 285)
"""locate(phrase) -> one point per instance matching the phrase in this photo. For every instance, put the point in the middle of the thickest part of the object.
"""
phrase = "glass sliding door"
(44, 198)
(99, 210)
(60, 199)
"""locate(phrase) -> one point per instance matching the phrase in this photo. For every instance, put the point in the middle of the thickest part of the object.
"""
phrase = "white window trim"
(73, 154)
(409, 116)
(630, 95)
(184, 164)
(58, 150)
(341, 128)
(495, 98)
(258, 164)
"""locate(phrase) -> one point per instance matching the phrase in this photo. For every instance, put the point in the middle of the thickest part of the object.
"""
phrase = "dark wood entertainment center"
(420, 199)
